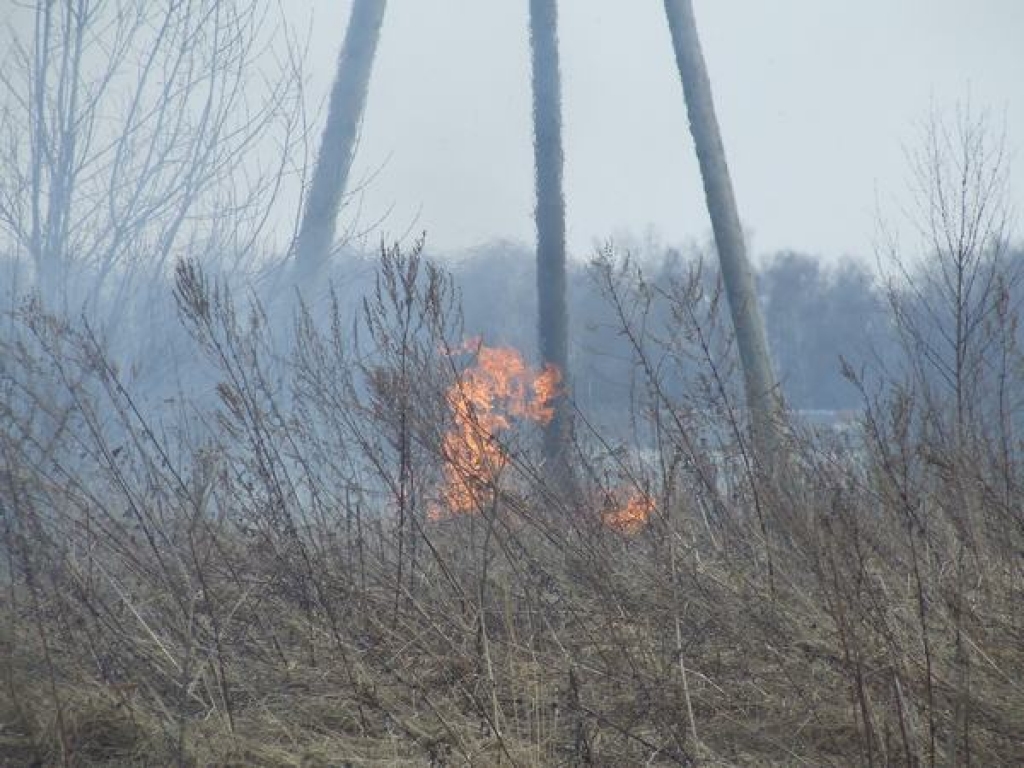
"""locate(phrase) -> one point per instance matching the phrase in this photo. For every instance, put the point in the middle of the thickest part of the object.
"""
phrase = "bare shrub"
(259, 579)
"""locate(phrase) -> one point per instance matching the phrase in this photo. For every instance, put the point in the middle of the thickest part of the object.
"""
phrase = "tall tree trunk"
(553, 322)
(763, 395)
(337, 147)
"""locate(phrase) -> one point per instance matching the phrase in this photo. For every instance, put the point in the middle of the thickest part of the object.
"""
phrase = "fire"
(485, 400)
(629, 517)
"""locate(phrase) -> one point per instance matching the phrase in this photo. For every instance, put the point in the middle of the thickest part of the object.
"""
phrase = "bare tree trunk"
(553, 322)
(337, 147)
(763, 395)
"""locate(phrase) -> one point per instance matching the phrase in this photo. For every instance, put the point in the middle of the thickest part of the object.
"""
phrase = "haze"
(818, 102)
(282, 484)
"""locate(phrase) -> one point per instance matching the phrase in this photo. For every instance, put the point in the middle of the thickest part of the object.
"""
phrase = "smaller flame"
(630, 517)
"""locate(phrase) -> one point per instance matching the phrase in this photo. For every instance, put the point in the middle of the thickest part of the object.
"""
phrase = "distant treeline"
(816, 313)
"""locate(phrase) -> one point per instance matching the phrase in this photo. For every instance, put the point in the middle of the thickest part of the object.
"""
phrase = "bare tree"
(950, 303)
(553, 323)
(337, 147)
(763, 395)
(129, 131)
(954, 291)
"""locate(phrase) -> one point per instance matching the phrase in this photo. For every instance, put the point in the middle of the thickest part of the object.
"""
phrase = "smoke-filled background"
(445, 150)
(446, 139)
(343, 423)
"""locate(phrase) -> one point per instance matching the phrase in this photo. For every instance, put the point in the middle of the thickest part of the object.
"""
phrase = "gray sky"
(818, 100)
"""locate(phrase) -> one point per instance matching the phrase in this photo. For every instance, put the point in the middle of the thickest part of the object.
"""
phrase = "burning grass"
(485, 400)
(629, 516)
(275, 594)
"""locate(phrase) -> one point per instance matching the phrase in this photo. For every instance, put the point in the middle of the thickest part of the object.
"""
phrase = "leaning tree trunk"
(337, 147)
(553, 322)
(763, 395)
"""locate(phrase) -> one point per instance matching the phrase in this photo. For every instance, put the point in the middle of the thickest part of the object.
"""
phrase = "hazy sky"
(818, 99)
(818, 102)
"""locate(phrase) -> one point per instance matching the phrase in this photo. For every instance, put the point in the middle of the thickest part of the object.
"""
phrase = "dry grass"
(264, 588)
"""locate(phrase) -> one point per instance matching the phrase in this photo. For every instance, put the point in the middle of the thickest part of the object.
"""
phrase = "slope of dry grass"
(263, 585)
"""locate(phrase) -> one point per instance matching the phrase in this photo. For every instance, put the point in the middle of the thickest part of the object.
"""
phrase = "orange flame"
(484, 400)
(630, 517)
